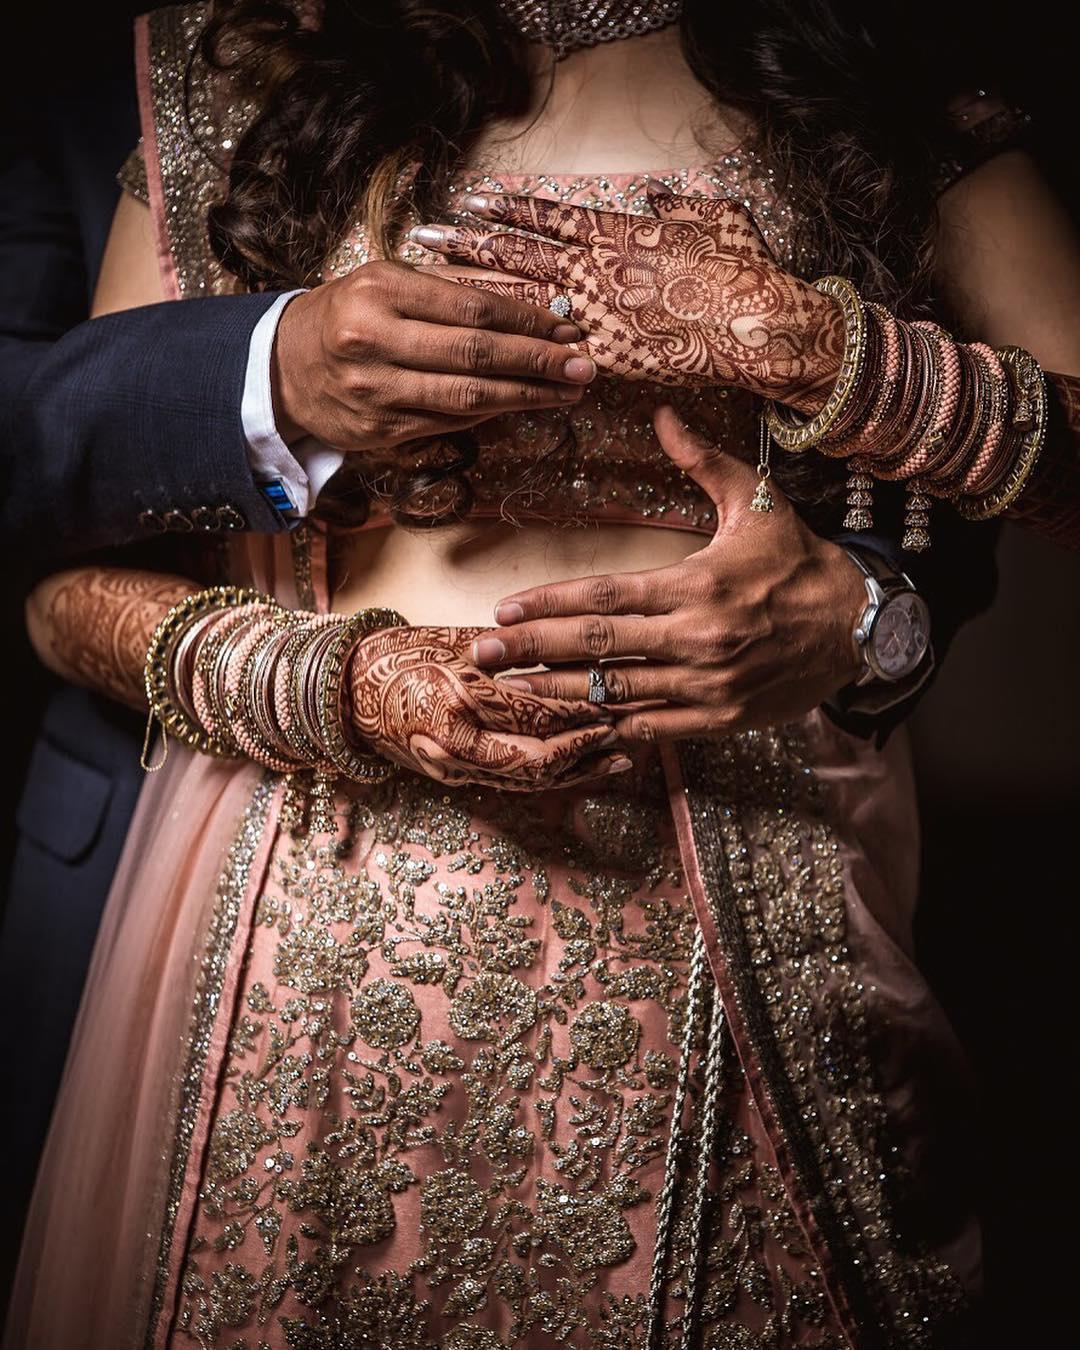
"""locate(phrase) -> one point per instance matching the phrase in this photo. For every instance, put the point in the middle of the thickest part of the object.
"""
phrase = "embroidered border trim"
(795, 1001)
(232, 887)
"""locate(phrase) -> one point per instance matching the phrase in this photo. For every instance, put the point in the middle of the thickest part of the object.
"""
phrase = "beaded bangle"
(157, 670)
(970, 426)
(1030, 408)
(941, 417)
(222, 690)
(988, 466)
(251, 656)
(797, 436)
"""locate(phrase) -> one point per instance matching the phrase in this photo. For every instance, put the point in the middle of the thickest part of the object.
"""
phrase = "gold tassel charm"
(916, 519)
(763, 498)
(859, 498)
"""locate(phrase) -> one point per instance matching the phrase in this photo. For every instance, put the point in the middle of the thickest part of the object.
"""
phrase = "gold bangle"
(796, 436)
(156, 670)
(1030, 408)
(341, 755)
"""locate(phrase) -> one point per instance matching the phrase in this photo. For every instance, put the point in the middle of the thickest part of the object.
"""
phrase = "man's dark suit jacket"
(106, 426)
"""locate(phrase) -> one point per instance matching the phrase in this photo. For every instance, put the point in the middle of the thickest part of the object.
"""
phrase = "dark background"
(997, 740)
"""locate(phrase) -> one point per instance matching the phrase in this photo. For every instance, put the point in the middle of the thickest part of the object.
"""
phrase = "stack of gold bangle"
(958, 421)
(176, 717)
(795, 435)
(1028, 426)
(229, 672)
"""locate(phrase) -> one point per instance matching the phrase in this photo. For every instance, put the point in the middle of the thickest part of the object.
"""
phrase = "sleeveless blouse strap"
(972, 141)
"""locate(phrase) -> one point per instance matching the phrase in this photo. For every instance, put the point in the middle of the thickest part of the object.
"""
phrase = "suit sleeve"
(118, 428)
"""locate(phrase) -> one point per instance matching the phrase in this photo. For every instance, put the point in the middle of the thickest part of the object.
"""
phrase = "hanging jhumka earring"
(763, 498)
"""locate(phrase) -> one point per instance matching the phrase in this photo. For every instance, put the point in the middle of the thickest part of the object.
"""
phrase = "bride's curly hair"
(848, 108)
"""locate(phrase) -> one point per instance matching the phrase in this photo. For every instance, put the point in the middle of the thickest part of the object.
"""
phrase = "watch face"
(901, 635)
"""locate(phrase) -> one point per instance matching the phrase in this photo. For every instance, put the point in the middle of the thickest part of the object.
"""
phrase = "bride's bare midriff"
(456, 574)
(615, 108)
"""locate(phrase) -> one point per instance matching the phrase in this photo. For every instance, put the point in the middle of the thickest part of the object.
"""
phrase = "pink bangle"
(947, 402)
(215, 654)
(910, 418)
(237, 675)
(205, 662)
(999, 397)
(287, 695)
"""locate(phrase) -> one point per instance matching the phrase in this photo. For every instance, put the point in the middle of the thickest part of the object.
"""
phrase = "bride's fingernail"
(620, 764)
(610, 737)
(509, 612)
(475, 202)
(488, 651)
(428, 235)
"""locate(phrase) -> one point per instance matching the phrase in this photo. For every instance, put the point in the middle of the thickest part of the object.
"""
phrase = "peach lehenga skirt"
(605, 1067)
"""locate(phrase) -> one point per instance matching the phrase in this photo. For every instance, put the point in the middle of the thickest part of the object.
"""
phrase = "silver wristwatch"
(893, 632)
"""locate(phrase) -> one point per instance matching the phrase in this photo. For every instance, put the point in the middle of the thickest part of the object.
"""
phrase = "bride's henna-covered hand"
(92, 625)
(692, 296)
(753, 630)
(418, 699)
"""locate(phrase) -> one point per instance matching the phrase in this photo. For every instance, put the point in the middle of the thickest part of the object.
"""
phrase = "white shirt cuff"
(302, 471)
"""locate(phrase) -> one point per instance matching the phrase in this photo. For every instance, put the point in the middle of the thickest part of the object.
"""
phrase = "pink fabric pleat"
(85, 1278)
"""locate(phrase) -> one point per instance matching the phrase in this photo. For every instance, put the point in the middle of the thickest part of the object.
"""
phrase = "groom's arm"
(117, 428)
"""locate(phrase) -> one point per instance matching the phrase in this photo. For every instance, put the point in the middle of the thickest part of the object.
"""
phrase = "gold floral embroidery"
(529, 1130)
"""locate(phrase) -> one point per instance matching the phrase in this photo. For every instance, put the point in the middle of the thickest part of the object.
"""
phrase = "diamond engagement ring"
(598, 690)
(561, 306)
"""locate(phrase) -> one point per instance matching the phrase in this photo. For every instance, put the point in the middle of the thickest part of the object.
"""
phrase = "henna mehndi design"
(99, 621)
(412, 693)
(418, 700)
(692, 297)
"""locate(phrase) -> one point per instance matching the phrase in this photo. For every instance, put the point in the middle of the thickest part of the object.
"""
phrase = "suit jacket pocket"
(63, 804)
